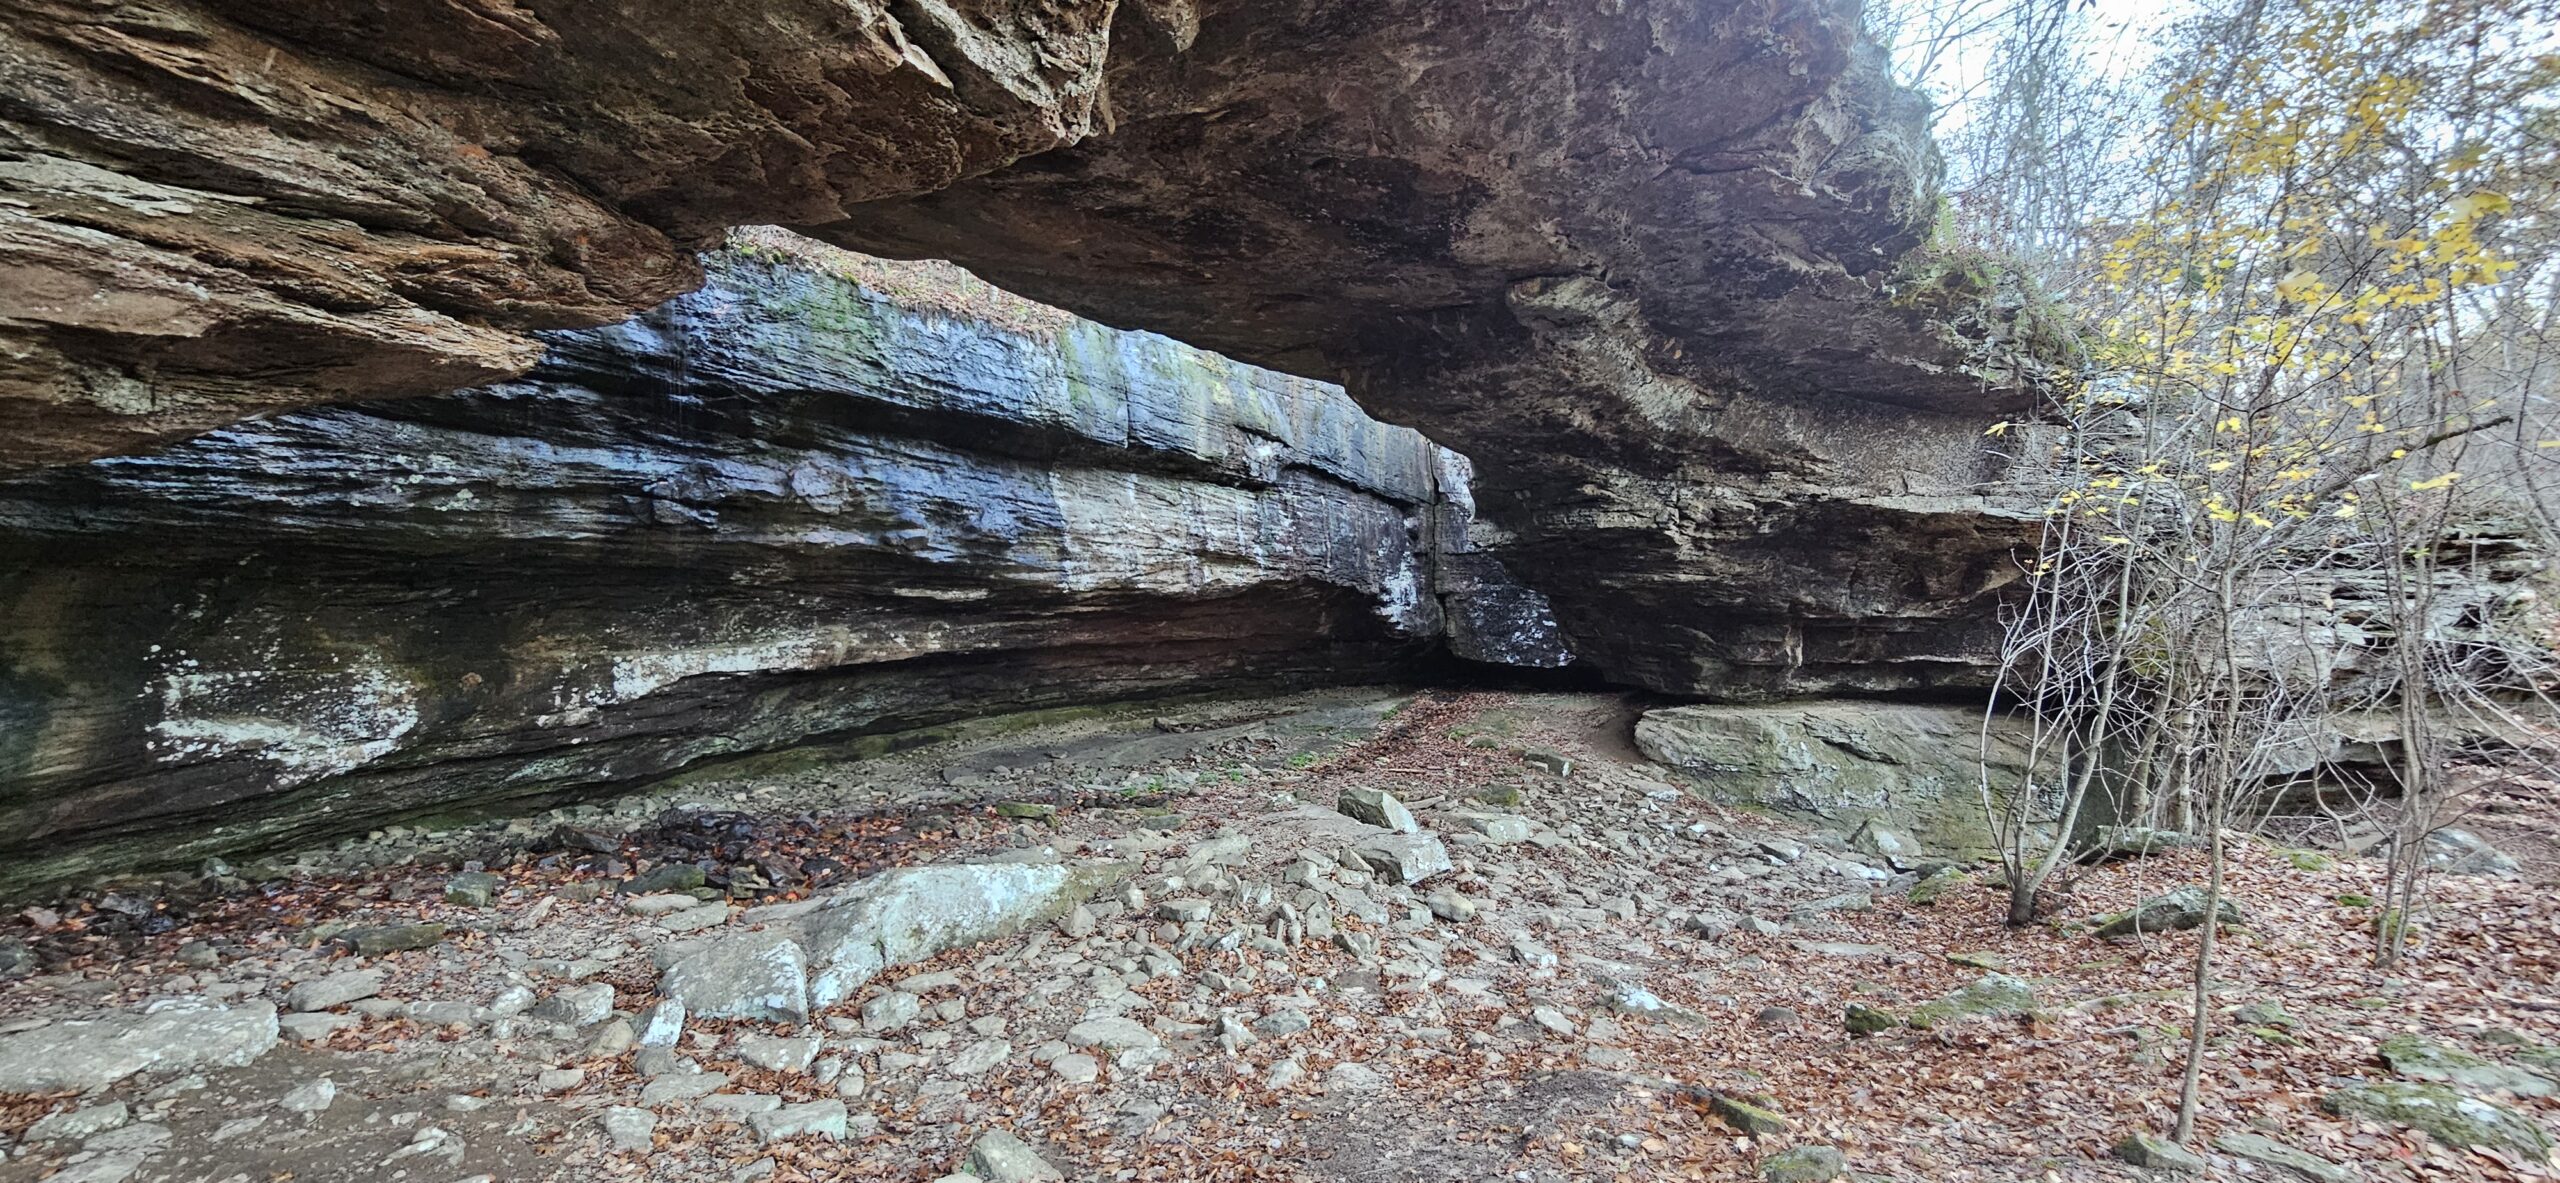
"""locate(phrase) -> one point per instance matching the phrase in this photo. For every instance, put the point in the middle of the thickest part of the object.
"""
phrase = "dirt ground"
(1507, 1038)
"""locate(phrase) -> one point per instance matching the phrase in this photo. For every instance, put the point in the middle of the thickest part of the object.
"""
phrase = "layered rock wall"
(1650, 263)
(780, 510)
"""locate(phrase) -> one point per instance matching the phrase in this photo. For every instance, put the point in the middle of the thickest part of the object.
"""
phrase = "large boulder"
(2447, 1116)
(807, 956)
(171, 1035)
(1907, 768)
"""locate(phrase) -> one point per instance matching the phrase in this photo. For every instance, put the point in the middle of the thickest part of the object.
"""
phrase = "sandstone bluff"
(1650, 276)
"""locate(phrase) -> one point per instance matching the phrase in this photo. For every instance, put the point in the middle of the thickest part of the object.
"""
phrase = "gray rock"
(1502, 829)
(2447, 1116)
(979, 1058)
(739, 1104)
(1184, 911)
(312, 1096)
(653, 906)
(1076, 1068)
(1552, 1020)
(1405, 858)
(778, 1053)
(2176, 911)
(761, 976)
(577, 1006)
(1113, 1033)
(1449, 905)
(2135, 841)
(1803, 1164)
(694, 919)
(1990, 996)
(2420, 1058)
(814, 1119)
(661, 1024)
(2153, 1153)
(313, 1028)
(105, 1168)
(1378, 808)
(333, 990)
(2455, 851)
(913, 913)
(2267, 1152)
(558, 1080)
(682, 1086)
(473, 889)
(629, 1130)
(170, 1035)
(1000, 1157)
(891, 1011)
(1353, 1077)
(73, 1125)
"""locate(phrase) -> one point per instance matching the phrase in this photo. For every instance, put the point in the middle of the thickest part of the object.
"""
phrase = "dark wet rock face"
(1650, 263)
(778, 511)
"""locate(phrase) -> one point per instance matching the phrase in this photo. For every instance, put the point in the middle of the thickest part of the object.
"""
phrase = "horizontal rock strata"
(784, 509)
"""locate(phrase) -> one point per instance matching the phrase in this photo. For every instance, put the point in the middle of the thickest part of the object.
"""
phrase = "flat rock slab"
(171, 1035)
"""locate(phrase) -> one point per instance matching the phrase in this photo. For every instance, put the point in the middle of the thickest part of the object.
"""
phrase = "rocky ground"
(1164, 948)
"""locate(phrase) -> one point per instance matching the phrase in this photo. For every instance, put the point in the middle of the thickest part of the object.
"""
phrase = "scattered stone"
(1995, 995)
(2135, 841)
(1378, 808)
(1747, 1117)
(1803, 1164)
(1991, 962)
(334, 990)
(694, 919)
(1843, 949)
(1283, 1022)
(630, 1130)
(661, 1025)
(1868, 1020)
(1448, 905)
(1552, 763)
(653, 906)
(1936, 885)
(87, 1121)
(169, 1035)
(1552, 1020)
(473, 889)
(1405, 858)
(1184, 911)
(1532, 954)
(2267, 1152)
(891, 1011)
(739, 1104)
(1885, 843)
(1000, 1157)
(376, 940)
(1713, 925)
(2175, 912)
(559, 1080)
(577, 1006)
(682, 1086)
(664, 878)
(761, 976)
(1353, 1077)
(979, 1058)
(2420, 1058)
(1076, 1068)
(312, 1028)
(1502, 796)
(778, 1053)
(813, 1119)
(2460, 852)
(2445, 1115)
(311, 1096)
(2153, 1153)
(1113, 1033)
(1026, 810)
(1501, 829)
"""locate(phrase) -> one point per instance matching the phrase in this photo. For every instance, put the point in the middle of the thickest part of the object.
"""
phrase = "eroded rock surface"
(780, 510)
(1654, 265)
